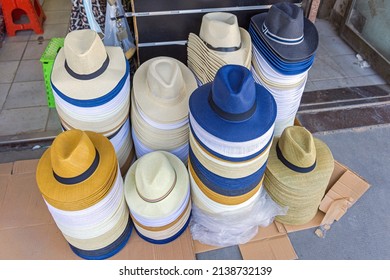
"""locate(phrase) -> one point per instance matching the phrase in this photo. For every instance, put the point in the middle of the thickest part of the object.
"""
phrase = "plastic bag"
(233, 228)
(117, 29)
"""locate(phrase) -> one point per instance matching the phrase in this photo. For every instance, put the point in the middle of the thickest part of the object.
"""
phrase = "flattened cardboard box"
(27, 230)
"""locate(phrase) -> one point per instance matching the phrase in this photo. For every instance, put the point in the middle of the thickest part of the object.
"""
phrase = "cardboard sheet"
(276, 248)
(27, 230)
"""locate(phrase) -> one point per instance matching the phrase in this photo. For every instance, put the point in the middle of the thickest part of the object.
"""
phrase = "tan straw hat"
(298, 172)
(77, 171)
(85, 69)
(162, 87)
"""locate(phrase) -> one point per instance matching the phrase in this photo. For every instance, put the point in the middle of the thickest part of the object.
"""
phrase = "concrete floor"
(361, 234)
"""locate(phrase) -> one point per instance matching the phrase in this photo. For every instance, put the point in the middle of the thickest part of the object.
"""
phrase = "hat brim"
(170, 239)
(168, 231)
(86, 193)
(109, 250)
(103, 84)
(158, 111)
(222, 185)
(166, 207)
(258, 124)
(291, 52)
(319, 176)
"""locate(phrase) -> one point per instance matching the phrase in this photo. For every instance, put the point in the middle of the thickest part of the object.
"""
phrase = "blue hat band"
(91, 76)
(222, 49)
(230, 116)
(82, 177)
(291, 165)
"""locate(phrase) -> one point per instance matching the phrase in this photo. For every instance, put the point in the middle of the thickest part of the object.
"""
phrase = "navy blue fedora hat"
(278, 64)
(287, 31)
(233, 107)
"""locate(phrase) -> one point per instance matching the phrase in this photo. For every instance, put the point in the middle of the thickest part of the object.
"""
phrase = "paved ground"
(363, 232)
(24, 114)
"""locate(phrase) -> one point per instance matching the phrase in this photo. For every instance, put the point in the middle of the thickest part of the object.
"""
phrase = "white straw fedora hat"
(156, 186)
(221, 35)
(162, 87)
(85, 69)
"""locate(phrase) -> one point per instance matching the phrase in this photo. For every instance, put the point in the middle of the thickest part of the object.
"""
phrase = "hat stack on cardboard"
(298, 171)
(157, 192)
(220, 42)
(91, 87)
(80, 181)
(159, 109)
(284, 46)
(232, 122)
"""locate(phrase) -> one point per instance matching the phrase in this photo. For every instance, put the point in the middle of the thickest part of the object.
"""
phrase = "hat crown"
(297, 146)
(84, 51)
(234, 90)
(155, 177)
(165, 80)
(72, 153)
(220, 30)
(285, 20)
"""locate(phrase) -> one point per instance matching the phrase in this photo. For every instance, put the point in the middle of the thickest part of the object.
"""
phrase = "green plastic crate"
(47, 60)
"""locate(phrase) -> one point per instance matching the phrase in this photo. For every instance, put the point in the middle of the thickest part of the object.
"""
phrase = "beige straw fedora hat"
(298, 172)
(86, 69)
(221, 36)
(77, 171)
(162, 87)
(156, 185)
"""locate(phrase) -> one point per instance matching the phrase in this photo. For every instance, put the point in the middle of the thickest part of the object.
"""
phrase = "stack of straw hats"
(157, 192)
(159, 107)
(232, 122)
(91, 87)
(298, 172)
(284, 46)
(79, 179)
(220, 42)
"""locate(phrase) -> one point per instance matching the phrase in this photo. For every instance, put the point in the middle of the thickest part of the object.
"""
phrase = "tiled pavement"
(24, 113)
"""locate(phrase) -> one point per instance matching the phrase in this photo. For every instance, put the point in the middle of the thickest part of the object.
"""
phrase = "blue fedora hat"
(233, 107)
(287, 31)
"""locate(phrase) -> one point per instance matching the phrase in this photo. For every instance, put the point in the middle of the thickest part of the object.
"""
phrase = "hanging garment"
(79, 15)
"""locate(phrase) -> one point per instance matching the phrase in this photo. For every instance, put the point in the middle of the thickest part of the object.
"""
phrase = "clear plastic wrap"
(233, 228)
